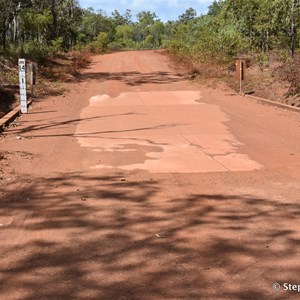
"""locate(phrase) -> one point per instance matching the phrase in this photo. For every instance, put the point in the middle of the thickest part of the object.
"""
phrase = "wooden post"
(32, 78)
(241, 72)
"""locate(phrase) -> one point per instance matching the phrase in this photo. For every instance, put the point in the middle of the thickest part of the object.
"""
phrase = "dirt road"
(138, 184)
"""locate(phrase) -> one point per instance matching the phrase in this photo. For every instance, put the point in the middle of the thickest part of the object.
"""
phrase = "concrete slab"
(169, 131)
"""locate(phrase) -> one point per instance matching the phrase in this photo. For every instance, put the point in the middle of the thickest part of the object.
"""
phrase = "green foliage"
(119, 19)
(94, 23)
(188, 15)
(157, 30)
(115, 46)
(57, 46)
(215, 8)
(124, 36)
(51, 27)
(232, 27)
(205, 40)
(262, 59)
(149, 41)
(35, 23)
(35, 52)
(100, 43)
(146, 18)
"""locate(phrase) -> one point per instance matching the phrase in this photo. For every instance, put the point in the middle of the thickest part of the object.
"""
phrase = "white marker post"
(23, 92)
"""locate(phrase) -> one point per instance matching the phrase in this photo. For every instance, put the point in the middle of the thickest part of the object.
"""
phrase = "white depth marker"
(23, 93)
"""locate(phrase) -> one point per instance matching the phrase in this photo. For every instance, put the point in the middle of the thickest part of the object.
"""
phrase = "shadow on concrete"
(51, 124)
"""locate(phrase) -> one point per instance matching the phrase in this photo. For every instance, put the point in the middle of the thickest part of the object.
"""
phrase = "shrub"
(57, 46)
(100, 44)
(80, 59)
(38, 53)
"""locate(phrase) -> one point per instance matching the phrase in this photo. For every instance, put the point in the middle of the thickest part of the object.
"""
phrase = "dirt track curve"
(138, 184)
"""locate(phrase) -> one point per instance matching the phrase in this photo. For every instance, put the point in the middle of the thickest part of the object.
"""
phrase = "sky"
(164, 9)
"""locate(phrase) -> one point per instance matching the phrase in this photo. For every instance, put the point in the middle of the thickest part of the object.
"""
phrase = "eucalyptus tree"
(145, 20)
(188, 15)
(118, 19)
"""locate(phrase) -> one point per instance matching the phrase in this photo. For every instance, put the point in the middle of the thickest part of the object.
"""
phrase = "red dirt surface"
(139, 185)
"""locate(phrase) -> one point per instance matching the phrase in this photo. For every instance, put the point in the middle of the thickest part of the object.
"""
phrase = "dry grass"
(277, 80)
(59, 71)
(7, 99)
(51, 77)
(79, 60)
(8, 86)
(65, 69)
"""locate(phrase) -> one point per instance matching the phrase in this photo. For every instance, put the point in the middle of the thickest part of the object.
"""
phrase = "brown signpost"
(241, 66)
(33, 78)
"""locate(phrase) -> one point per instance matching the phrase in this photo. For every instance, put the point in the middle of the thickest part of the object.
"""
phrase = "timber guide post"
(32, 78)
(241, 71)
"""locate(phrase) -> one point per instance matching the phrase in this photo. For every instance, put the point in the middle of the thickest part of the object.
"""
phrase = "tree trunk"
(39, 40)
(298, 22)
(54, 18)
(4, 34)
(15, 21)
(293, 29)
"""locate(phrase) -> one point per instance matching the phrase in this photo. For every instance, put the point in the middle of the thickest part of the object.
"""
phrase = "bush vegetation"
(44, 29)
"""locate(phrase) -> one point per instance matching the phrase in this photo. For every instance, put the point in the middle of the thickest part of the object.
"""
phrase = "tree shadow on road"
(29, 131)
(51, 124)
(133, 78)
(82, 237)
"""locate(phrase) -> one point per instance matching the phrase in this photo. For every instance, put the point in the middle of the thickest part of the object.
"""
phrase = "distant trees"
(266, 24)
(92, 23)
(38, 28)
(234, 26)
(41, 27)
(188, 15)
(119, 19)
(8, 19)
(38, 21)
